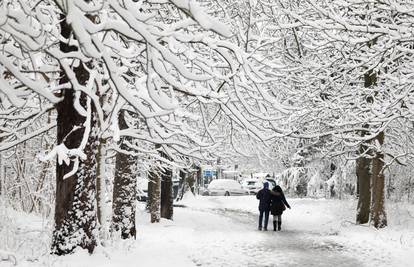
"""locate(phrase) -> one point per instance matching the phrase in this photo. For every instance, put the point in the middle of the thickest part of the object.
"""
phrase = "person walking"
(264, 196)
(278, 205)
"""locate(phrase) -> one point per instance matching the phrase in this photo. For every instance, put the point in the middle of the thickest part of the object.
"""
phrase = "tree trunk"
(154, 191)
(363, 165)
(378, 214)
(167, 196)
(199, 177)
(101, 195)
(125, 186)
(364, 185)
(75, 207)
(183, 185)
(149, 193)
(190, 179)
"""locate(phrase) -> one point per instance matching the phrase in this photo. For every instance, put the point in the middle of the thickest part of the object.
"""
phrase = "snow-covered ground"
(328, 225)
(221, 231)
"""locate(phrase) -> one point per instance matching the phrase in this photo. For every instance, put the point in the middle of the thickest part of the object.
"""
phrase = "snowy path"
(260, 248)
(316, 232)
(221, 231)
(293, 248)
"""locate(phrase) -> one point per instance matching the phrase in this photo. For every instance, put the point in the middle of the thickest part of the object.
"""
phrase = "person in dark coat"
(265, 197)
(278, 205)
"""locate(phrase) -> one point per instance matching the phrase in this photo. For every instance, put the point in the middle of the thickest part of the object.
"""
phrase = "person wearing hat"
(265, 197)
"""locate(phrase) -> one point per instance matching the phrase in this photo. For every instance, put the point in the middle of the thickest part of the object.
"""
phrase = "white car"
(252, 185)
(225, 187)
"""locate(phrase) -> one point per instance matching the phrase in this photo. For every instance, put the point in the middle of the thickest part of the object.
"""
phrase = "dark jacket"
(278, 202)
(265, 198)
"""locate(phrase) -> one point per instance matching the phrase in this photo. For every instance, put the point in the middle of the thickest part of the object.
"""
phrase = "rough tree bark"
(125, 184)
(167, 196)
(184, 184)
(363, 166)
(75, 207)
(364, 187)
(149, 193)
(378, 214)
(154, 191)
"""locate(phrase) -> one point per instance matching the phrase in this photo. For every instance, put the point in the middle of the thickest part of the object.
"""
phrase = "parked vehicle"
(252, 185)
(225, 187)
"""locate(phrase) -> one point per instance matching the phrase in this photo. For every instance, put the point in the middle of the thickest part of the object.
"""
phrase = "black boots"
(278, 225)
